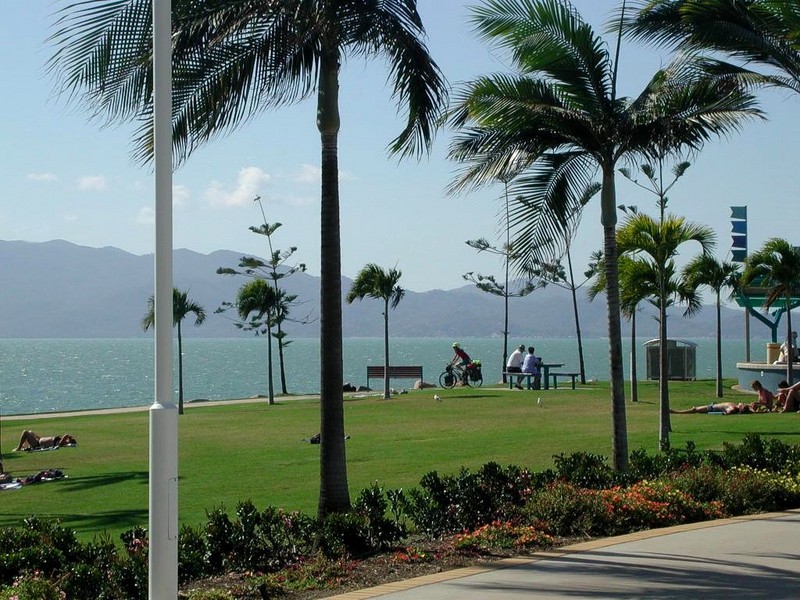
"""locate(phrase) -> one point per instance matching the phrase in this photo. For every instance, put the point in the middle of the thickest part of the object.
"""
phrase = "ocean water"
(52, 375)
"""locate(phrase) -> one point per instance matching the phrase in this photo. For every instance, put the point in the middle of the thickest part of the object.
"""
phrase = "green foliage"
(210, 595)
(32, 587)
(468, 500)
(584, 469)
(503, 535)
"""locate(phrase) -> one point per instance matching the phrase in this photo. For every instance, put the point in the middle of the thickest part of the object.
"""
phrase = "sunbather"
(726, 408)
(786, 399)
(32, 441)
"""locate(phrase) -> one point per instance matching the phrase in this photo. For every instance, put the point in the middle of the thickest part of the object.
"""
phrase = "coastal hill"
(58, 289)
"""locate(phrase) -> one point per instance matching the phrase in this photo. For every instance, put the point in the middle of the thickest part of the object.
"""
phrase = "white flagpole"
(163, 505)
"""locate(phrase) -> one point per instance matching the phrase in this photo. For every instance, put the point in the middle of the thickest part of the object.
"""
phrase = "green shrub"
(585, 470)
(507, 536)
(567, 510)
(192, 553)
(383, 532)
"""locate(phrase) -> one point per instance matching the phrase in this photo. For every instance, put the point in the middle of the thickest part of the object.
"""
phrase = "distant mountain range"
(58, 289)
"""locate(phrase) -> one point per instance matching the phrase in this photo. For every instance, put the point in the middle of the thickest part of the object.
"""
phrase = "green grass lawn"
(254, 451)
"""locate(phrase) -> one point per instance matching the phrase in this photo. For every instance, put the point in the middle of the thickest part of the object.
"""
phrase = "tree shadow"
(80, 484)
(96, 521)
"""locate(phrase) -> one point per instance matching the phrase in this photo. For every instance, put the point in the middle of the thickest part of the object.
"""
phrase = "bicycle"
(470, 376)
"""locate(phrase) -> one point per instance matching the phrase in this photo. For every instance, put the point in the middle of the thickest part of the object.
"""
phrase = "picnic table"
(546, 372)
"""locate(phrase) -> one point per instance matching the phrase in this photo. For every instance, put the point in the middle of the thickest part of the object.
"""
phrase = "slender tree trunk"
(334, 495)
(619, 420)
(279, 337)
(664, 426)
(505, 295)
(634, 376)
(719, 346)
(582, 368)
(180, 370)
(270, 383)
(790, 348)
(386, 394)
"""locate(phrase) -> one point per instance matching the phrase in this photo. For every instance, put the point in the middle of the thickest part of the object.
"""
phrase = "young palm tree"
(233, 59)
(559, 113)
(656, 243)
(375, 282)
(708, 271)
(636, 284)
(257, 304)
(181, 307)
(776, 266)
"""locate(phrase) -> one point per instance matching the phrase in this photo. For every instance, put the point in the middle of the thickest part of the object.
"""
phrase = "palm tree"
(656, 244)
(757, 32)
(559, 115)
(233, 59)
(257, 304)
(375, 282)
(635, 286)
(707, 270)
(181, 307)
(776, 266)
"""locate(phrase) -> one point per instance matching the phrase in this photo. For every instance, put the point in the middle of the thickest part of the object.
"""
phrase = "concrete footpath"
(742, 558)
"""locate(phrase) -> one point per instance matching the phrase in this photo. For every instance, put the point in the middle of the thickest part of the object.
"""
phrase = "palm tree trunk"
(282, 364)
(180, 370)
(270, 384)
(386, 394)
(634, 376)
(663, 376)
(719, 346)
(582, 368)
(334, 495)
(618, 417)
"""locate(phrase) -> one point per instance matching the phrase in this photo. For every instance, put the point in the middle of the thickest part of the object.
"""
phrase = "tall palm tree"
(708, 271)
(257, 304)
(181, 307)
(776, 266)
(234, 59)
(375, 282)
(656, 242)
(560, 112)
(756, 32)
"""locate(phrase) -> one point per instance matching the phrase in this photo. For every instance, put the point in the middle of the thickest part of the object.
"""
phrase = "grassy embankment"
(255, 451)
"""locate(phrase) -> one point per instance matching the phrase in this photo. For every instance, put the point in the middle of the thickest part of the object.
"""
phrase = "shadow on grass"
(79, 484)
(98, 521)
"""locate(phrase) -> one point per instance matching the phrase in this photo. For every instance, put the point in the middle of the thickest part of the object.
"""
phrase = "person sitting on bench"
(32, 441)
(532, 364)
(514, 364)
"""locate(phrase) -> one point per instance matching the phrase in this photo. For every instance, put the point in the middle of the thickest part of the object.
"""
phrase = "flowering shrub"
(569, 511)
(32, 587)
(503, 535)
(412, 554)
(315, 574)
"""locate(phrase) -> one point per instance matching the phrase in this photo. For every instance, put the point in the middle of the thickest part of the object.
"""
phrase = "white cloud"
(146, 216)
(92, 183)
(71, 218)
(249, 184)
(180, 195)
(42, 177)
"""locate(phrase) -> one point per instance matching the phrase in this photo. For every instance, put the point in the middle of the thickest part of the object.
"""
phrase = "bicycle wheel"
(447, 380)
(475, 382)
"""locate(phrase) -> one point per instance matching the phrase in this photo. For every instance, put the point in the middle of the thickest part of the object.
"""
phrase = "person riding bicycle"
(460, 360)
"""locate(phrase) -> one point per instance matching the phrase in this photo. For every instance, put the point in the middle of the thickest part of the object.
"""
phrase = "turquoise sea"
(52, 375)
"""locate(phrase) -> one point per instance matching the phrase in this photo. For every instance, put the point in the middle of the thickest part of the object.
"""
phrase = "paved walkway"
(743, 558)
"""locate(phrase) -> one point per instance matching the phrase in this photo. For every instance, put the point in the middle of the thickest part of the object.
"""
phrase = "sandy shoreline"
(129, 409)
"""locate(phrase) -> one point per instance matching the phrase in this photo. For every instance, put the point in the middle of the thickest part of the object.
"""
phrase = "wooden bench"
(528, 377)
(555, 377)
(402, 372)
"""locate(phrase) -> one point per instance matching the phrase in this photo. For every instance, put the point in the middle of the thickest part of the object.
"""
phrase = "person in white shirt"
(514, 363)
(785, 353)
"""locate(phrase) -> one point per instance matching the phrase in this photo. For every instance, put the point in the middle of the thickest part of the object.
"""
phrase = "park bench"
(401, 372)
(555, 377)
(528, 377)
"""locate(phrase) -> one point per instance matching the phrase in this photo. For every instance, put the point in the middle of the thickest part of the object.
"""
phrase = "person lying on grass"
(726, 408)
(32, 441)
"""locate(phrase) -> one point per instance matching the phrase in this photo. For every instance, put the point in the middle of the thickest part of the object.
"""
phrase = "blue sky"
(65, 178)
